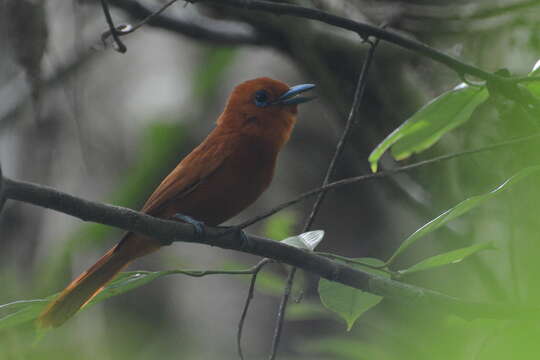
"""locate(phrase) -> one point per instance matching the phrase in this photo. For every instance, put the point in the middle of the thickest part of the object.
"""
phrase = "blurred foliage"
(280, 226)
(432, 121)
(458, 210)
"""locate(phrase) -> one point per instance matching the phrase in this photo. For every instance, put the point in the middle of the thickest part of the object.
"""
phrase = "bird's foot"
(236, 230)
(198, 226)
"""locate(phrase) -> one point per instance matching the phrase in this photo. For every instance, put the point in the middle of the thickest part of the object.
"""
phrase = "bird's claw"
(198, 226)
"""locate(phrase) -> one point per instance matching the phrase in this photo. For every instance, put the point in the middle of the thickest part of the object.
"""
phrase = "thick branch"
(168, 231)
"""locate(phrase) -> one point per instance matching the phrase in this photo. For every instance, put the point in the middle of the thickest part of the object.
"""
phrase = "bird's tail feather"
(83, 289)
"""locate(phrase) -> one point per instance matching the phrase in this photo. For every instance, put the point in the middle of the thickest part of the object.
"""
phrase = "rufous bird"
(222, 176)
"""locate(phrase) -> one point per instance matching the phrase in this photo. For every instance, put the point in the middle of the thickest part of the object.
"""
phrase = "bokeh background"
(85, 119)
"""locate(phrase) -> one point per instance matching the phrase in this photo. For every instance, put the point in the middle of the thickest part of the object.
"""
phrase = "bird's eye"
(261, 98)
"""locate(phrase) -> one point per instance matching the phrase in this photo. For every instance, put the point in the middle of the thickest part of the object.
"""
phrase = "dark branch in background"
(9, 115)
(351, 121)
(364, 30)
(120, 47)
(148, 18)
(506, 86)
(186, 28)
(168, 231)
(124, 29)
(201, 32)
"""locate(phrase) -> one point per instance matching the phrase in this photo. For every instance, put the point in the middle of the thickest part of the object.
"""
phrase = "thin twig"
(201, 31)
(351, 121)
(201, 273)
(281, 313)
(125, 29)
(120, 47)
(146, 19)
(251, 291)
(384, 174)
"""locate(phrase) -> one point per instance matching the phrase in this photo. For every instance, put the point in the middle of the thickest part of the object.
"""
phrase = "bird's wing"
(204, 160)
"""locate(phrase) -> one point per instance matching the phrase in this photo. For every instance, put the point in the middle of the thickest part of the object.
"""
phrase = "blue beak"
(290, 98)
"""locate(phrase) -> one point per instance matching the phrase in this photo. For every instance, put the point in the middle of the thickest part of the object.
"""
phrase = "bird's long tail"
(90, 283)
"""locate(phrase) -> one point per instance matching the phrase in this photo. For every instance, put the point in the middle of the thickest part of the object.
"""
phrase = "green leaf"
(432, 121)
(19, 312)
(348, 302)
(305, 311)
(451, 257)
(459, 210)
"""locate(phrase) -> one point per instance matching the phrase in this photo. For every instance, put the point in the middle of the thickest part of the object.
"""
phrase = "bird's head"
(264, 107)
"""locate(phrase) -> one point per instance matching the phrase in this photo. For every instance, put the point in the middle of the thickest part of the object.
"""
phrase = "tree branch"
(168, 231)
(120, 47)
(193, 30)
(362, 29)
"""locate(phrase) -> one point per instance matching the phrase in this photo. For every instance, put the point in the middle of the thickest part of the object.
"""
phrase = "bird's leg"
(197, 225)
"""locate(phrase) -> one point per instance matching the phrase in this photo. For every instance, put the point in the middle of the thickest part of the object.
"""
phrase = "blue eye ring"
(261, 98)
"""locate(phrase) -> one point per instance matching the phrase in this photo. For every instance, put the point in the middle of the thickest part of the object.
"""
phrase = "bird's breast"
(242, 177)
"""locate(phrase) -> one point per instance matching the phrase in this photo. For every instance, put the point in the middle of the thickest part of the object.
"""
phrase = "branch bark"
(171, 231)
